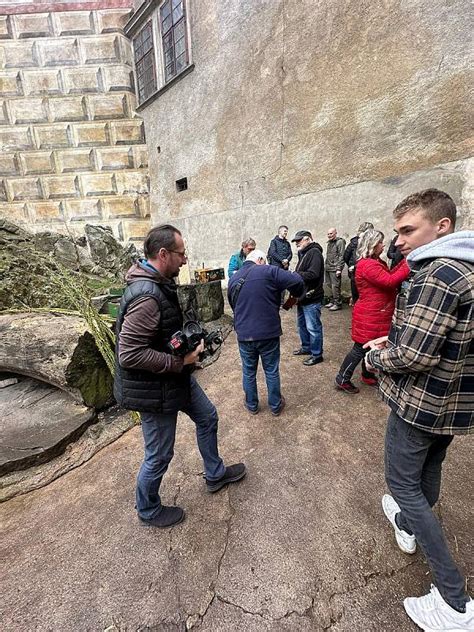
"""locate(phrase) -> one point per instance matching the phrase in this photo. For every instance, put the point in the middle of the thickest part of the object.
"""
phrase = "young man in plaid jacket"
(427, 379)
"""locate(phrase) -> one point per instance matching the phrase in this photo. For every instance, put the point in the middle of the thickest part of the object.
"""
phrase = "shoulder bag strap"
(234, 295)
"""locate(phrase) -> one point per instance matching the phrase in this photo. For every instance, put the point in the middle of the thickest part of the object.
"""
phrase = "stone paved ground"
(301, 544)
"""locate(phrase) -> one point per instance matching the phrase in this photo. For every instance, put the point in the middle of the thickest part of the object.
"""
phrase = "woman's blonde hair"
(364, 226)
(367, 242)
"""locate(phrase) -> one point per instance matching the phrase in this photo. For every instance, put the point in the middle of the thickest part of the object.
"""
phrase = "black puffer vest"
(145, 391)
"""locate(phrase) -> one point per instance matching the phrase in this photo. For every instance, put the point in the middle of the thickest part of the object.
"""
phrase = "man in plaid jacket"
(427, 379)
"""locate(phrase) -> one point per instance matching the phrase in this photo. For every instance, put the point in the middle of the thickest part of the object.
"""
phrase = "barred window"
(145, 62)
(174, 37)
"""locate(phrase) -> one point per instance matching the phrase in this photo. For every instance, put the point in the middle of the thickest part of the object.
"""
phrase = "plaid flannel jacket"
(428, 365)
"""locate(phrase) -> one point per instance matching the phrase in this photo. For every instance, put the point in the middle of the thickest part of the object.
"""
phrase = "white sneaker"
(432, 614)
(407, 543)
(329, 305)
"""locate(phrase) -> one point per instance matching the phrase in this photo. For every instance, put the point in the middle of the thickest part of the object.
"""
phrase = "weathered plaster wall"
(311, 113)
(72, 147)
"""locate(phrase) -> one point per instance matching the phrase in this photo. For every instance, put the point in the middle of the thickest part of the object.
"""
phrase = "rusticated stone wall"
(72, 147)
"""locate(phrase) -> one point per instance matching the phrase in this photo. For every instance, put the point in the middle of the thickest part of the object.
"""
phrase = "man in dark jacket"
(350, 258)
(152, 381)
(393, 253)
(311, 268)
(279, 251)
(427, 379)
(254, 294)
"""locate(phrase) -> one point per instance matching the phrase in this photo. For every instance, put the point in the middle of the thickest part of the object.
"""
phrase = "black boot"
(166, 517)
(232, 474)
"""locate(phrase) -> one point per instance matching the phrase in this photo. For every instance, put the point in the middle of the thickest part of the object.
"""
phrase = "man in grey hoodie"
(427, 379)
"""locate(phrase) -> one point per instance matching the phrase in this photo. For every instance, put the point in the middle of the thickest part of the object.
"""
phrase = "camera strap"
(234, 294)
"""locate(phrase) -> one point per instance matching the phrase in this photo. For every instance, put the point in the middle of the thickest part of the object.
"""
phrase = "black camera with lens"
(188, 338)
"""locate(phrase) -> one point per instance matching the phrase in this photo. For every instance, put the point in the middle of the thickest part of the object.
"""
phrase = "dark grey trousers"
(413, 462)
(333, 283)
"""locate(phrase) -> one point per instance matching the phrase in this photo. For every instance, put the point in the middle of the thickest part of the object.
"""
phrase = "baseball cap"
(300, 234)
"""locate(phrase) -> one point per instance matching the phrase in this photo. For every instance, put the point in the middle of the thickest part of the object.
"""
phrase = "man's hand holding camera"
(193, 356)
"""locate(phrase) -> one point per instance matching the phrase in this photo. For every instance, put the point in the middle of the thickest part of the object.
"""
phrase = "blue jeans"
(413, 462)
(159, 433)
(310, 328)
(269, 352)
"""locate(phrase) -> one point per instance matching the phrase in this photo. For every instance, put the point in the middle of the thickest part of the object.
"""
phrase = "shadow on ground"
(301, 544)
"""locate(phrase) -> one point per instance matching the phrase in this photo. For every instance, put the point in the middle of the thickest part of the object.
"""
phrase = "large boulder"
(106, 252)
(204, 299)
(31, 265)
(57, 349)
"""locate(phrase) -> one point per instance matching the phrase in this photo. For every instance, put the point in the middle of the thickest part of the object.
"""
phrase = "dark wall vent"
(181, 184)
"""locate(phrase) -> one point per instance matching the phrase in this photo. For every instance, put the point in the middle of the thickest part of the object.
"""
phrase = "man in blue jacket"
(254, 294)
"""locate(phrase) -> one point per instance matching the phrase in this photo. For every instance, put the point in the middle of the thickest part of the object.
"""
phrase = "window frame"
(171, 33)
(151, 51)
(151, 13)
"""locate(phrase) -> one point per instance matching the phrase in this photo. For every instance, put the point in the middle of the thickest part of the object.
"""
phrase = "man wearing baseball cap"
(311, 268)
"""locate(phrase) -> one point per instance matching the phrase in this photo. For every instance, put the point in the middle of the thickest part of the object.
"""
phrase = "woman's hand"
(376, 343)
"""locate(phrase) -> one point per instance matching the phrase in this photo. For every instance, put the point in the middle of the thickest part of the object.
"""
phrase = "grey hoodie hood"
(458, 246)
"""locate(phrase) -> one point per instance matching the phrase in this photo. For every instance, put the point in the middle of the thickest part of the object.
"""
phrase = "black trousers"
(354, 290)
(350, 363)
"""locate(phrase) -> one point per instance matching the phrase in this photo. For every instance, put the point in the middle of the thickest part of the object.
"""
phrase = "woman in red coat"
(378, 287)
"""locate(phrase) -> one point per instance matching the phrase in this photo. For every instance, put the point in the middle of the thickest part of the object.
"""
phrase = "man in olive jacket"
(427, 379)
(158, 384)
(333, 267)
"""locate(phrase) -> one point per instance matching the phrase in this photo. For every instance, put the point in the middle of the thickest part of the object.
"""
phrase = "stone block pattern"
(72, 149)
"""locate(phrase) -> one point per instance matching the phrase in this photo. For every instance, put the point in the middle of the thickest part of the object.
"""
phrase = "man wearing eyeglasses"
(311, 267)
(157, 384)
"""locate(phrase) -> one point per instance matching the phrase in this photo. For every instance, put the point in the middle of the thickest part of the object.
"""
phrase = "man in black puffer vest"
(155, 383)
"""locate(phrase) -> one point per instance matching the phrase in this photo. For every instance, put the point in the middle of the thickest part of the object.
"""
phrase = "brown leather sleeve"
(138, 330)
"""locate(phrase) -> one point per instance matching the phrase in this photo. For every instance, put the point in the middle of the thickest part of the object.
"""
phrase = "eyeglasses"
(178, 252)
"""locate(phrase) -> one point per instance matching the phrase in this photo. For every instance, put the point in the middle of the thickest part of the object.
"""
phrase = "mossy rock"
(33, 266)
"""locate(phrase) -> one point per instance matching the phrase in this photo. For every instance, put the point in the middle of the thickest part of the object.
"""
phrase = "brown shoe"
(278, 412)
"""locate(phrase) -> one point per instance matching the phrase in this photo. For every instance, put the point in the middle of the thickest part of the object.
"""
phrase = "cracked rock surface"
(301, 544)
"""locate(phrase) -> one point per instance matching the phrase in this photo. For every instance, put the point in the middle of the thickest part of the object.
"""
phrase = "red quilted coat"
(378, 287)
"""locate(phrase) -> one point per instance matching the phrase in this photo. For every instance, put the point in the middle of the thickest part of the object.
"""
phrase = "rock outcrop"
(58, 350)
(31, 265)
